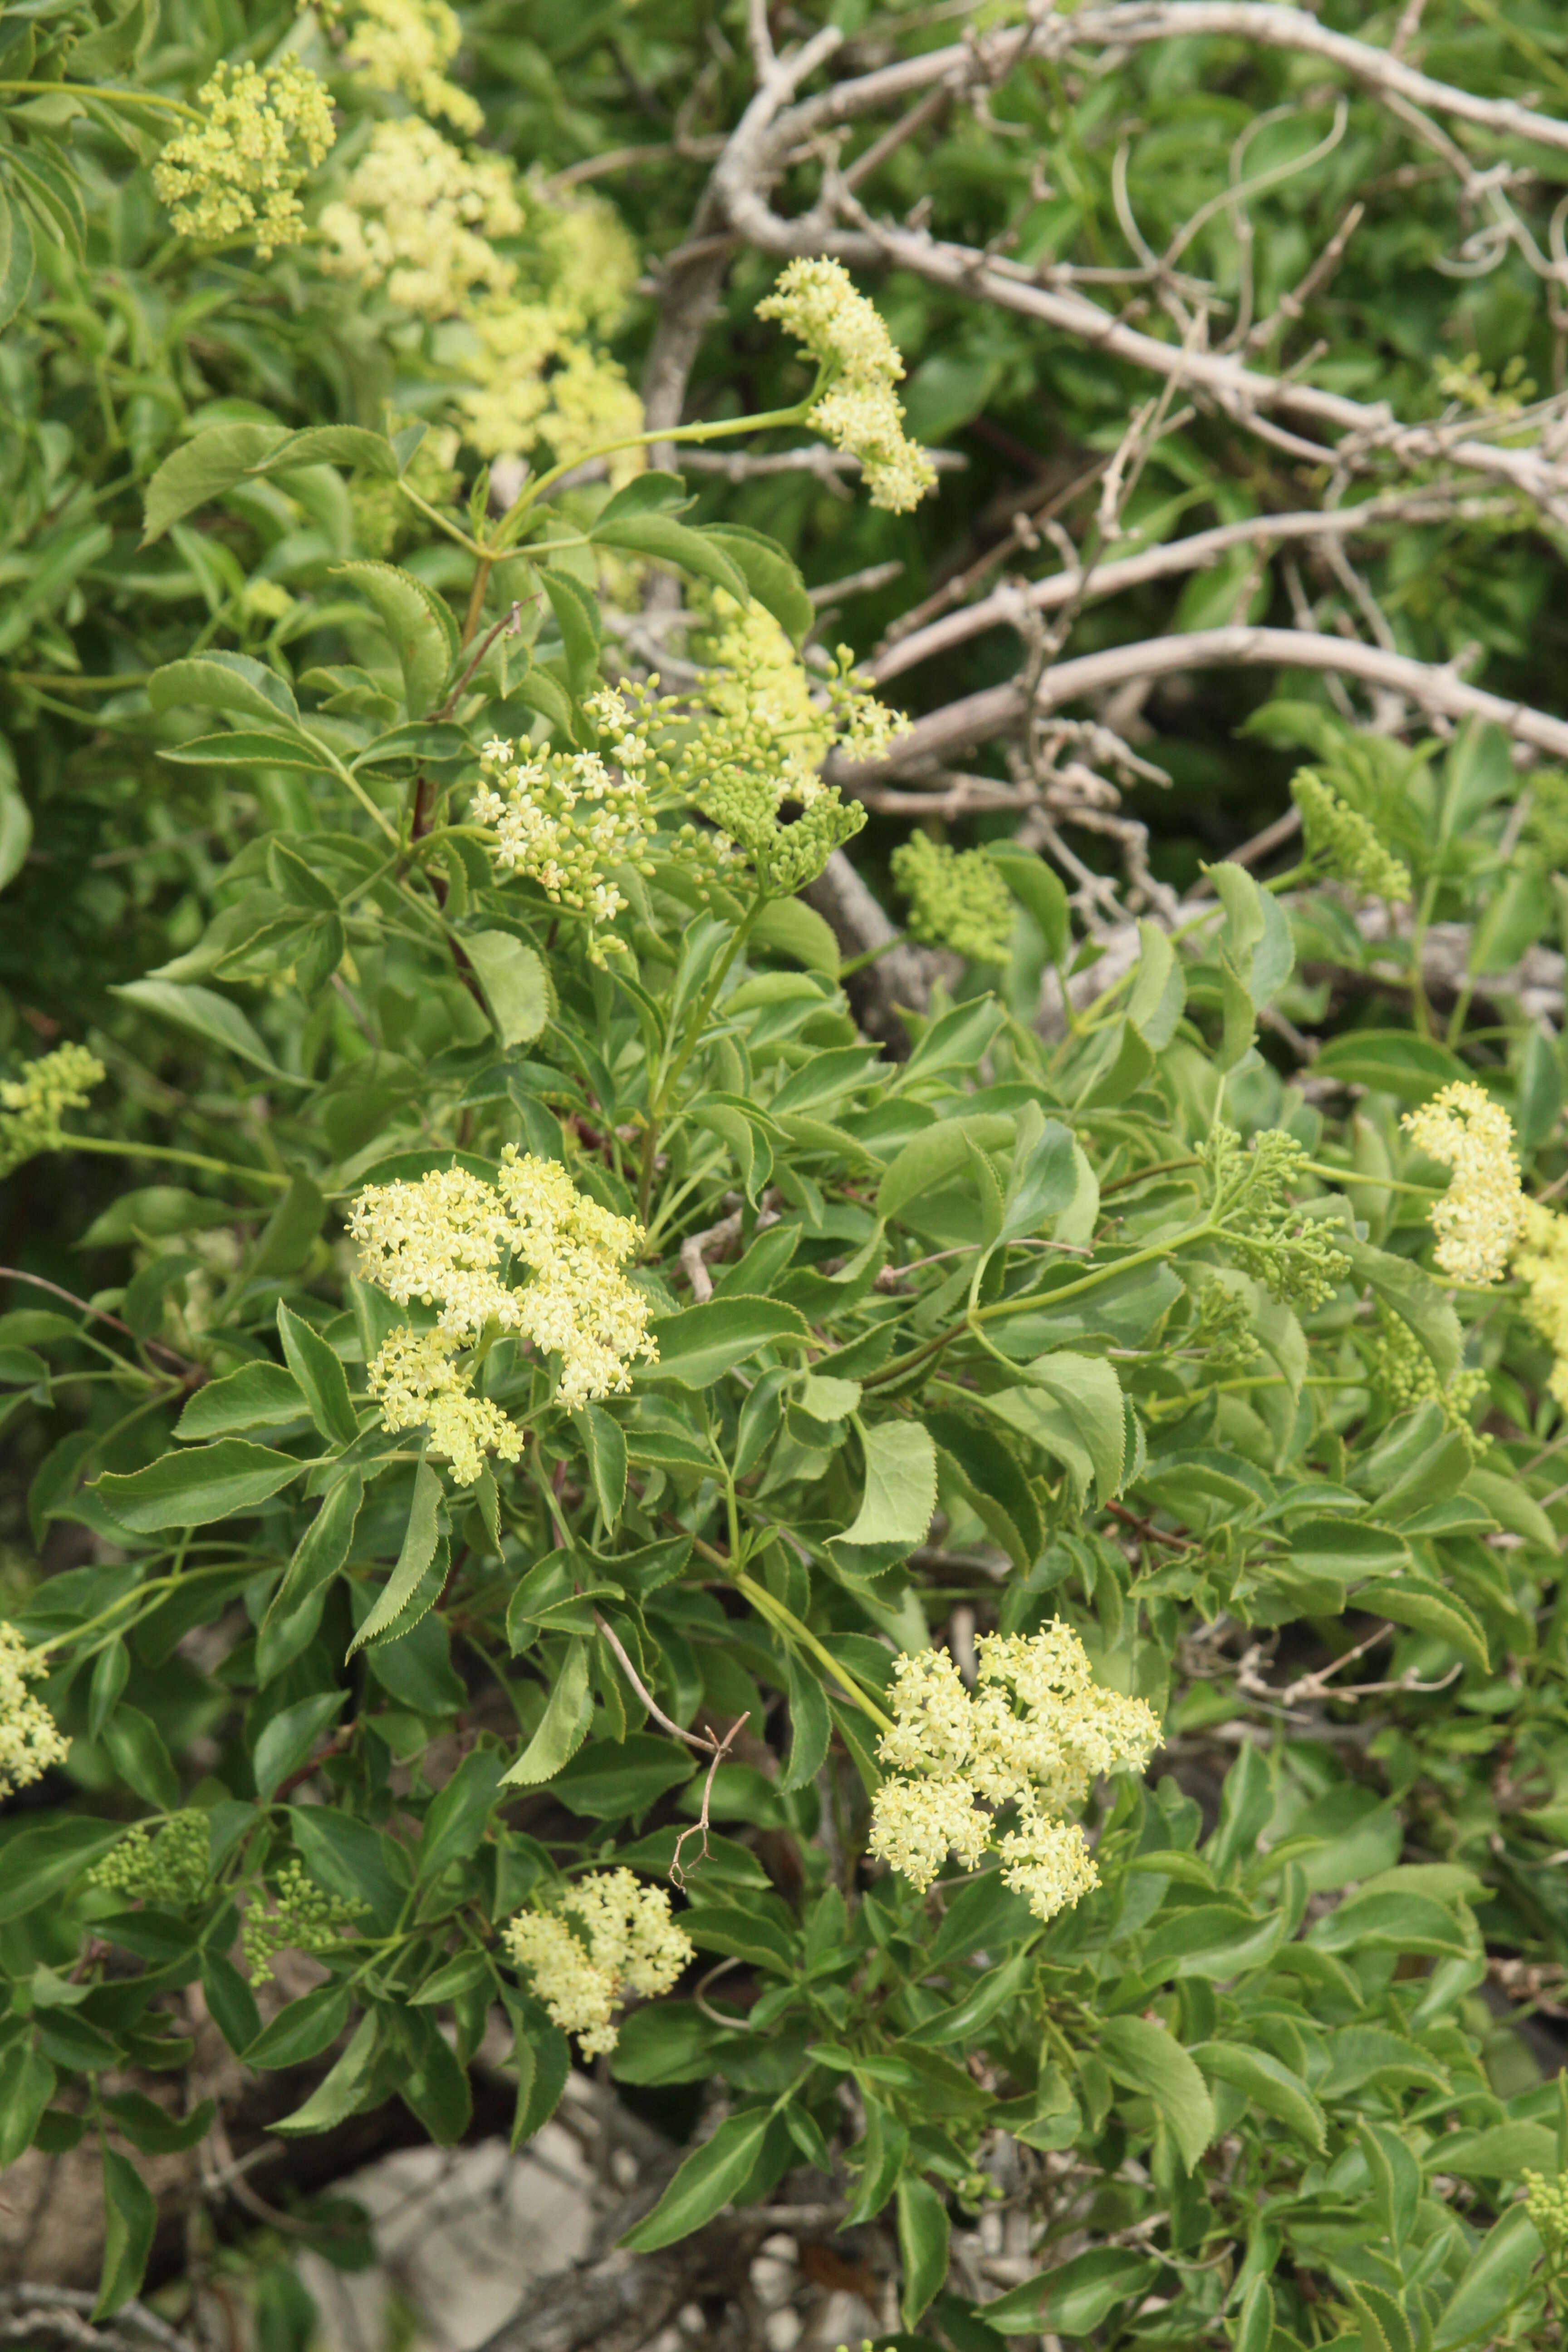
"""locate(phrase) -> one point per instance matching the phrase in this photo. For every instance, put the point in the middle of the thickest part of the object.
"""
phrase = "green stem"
(785, 1619)
(114, 1149)
(719, 429)
(106, 97)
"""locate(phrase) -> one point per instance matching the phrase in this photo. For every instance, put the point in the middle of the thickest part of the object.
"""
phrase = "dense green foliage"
(501, 1374)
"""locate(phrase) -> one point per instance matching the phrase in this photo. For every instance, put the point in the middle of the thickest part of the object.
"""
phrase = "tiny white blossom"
(1480, 1216)
(30, 1739)
(608, 1936)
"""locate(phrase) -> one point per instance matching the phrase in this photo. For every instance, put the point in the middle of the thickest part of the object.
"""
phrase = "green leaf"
(605, 1442)
(322, 1549)
(1257, 939)
(321, 1377)
(223, 681)
(304, 2030)
(611, 1778)
(1496, 2275)
(1148, 2059)
(1076, 2296)
(291, 1738)
(249, 747)
(577, 618)
(1394, 1061)
(1255, 2327)
(1268, 2083)
(15, 825)
(418, 1552)
(257, 1396)
(154, 2129)
(343, 2090)
(562, 1727)
(516, 985)
(702, 553)
(437, 2091)
(230, 2003)
(192, 1489)
(203, 469)
(771, 574)
(349, 445)
(701, 1344)
(711, 2176)
(789, 927)
(15, 259)
(423, 633)
(923, 2233)
(455, 1824)
(811, 1727)
(899, 1493)
(1039, 891)
(933, 1158)
(137, 1752)
(1431, 1609)
(1392, 1922)
(129, 2218)
(1088, 1391)
(204, 1015)
(1411, 1294)
(1499, 2152)
(1043, 1177)
(27, 2086)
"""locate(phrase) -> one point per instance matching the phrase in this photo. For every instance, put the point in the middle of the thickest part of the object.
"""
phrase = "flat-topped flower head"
(443, 1240)
(1032, 1736)
(416, 1383)
(406, 46)
(30, 1739)
(565, 820)
(417, 217)
(857, 409)
(32, 1106)
(607, 1937)
(1541, 1261)
(1481, 1215)
(265, 128)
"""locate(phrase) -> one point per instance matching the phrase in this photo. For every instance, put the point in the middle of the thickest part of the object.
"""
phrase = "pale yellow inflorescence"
(30, 1739)
(265, 128)
(442, 1240)
(405, 46)
(1034, 1733)
(1479, 1219)
(417, 217)
(32, 1107)
(1541, 1261)
(416, 1381)
(857, 409)
(609, 1937)
(565, 819)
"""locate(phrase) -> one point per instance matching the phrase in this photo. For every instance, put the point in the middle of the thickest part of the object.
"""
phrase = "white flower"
(1480, 1217)
(857, 409)
(609, 1937)
(416, 1381)
(418, 215)
(30, 1739)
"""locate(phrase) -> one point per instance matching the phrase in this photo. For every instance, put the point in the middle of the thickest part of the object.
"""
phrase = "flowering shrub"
(946, 1563)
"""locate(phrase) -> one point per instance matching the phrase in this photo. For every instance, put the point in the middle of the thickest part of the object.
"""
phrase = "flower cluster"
(1345, 841)
(265, 128)
(957, 897)
(417, 217)
(1480, 1216)
(607, 1937)
(1033, 1734)
(1541, 1261)
(1546, 2202)
(746, 745)
(30, 1740)
(32, 1106)
(1222, 1327)
(1292, 1254)
(857, 408)
(414, 1380)
(565, 819)
(402, 46)
(1405, 1376)
(171, 1867)
(308, 1919)
(442, 1240)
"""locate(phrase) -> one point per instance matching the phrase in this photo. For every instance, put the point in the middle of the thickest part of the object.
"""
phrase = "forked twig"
(714, 1750)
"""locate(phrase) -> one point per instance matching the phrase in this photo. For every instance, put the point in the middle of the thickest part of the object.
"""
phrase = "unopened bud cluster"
(32, 1107)
(957, 898)
(1032, 1737)
(306, 1918)
(1347, 842)
(170, 1867)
